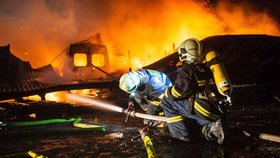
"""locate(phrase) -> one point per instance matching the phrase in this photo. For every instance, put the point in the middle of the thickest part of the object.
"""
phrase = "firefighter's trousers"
(176, 111)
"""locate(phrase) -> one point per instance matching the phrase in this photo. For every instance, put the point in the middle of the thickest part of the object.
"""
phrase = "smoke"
(134, 31)
(35, 32)
(245, 18)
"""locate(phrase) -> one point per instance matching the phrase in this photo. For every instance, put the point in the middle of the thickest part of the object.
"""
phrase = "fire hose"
(146, 139)
(76, 123)
(107, 106)
(111, 107)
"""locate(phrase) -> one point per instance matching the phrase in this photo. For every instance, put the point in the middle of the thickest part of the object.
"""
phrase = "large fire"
(136, 32)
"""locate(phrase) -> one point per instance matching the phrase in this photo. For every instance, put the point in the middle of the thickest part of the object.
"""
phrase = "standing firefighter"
(145, 88)
(200, 92)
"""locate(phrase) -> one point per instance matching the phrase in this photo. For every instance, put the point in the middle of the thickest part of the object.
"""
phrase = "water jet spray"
(107, 106)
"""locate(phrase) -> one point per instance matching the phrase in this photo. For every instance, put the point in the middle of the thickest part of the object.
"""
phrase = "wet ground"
(247, 118)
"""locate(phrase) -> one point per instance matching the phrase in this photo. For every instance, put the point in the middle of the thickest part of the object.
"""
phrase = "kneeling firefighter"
(200, 92)
(146, 88)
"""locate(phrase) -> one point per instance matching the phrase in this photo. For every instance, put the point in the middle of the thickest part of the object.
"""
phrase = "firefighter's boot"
(213, 131)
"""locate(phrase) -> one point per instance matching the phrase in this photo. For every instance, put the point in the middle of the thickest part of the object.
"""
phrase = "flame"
(136, 64)
(80, 59)
(61, 96)
(55, 96)
(32, 97)
(98, 60)
(33, 115)
(132, 30)
(87, 92)
(143, 37)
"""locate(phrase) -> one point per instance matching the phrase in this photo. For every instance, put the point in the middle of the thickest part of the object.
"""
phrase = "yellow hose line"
(83, 125)
(77, 123)
(149, 147)
(34, 155)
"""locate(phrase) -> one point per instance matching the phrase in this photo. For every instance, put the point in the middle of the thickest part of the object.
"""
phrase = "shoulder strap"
(213, 61)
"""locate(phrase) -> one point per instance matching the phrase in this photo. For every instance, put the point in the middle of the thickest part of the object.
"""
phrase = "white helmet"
(129, 81)
(190, 50)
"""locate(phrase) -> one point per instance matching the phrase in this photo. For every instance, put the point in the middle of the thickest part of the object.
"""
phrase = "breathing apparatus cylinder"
(219, 72)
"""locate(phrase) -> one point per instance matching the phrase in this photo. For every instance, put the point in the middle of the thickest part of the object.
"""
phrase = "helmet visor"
(190, 59)
(131, 89)
(184, 55)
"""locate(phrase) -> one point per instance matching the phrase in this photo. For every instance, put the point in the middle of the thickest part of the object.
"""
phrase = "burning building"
(86, 66)
(85, 61)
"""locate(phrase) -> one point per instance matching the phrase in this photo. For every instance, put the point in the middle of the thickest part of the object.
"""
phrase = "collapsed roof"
(19, 79)
(249, 59)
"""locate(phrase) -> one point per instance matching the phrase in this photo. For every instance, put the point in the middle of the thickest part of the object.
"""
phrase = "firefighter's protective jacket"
(195, 83)
(150, 92)
(190, 80)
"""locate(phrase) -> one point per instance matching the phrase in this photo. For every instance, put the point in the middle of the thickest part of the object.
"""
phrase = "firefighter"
(145, 88)
(200, 92)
